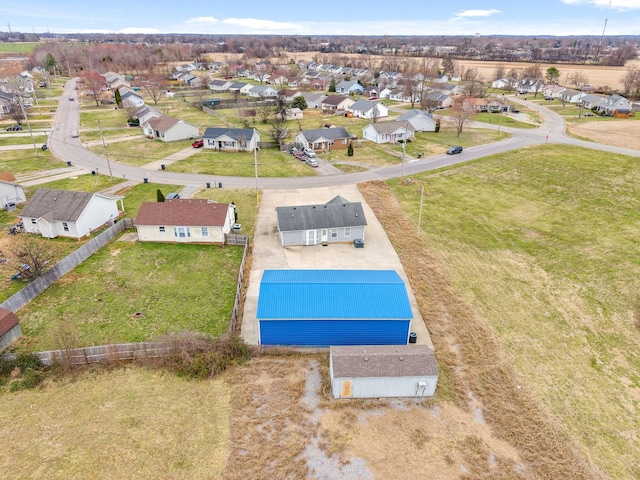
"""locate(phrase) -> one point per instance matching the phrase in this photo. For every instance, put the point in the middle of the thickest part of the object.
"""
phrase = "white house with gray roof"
(337, 221)
(65, 213)
(231, 139)
(388, 132)
(368, 109)
(419, 120)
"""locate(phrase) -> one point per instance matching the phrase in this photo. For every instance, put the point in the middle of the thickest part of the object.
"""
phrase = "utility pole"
(24, 114)
(106, 154)
(255, 167)
(403, 151)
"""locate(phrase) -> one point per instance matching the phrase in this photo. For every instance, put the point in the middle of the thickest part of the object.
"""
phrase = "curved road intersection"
(72, 150)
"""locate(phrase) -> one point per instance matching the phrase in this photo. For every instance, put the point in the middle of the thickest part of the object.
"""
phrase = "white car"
(74, 134)
(309, 153)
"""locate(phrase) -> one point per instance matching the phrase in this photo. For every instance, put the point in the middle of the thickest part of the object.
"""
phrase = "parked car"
(515, 110)
(107, 102)
(589, 114)
(71, 99)
(294, 150)
(309, 152)
(14, 128)
(312, 162)
(28, 104)
(172, 195)
(300, 156)
(74, 134)
(198, 144)
(453, 150)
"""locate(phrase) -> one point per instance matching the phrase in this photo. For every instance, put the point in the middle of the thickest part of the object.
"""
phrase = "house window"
(205, 231)
(334, 233)
(182, 232)
(65, 226)
(162, 229)
(347, 232)
(33, 221)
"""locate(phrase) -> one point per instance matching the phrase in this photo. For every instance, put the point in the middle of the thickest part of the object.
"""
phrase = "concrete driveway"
(268, 254)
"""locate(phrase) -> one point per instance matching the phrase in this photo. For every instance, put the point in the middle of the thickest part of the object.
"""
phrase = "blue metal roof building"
(333, 307)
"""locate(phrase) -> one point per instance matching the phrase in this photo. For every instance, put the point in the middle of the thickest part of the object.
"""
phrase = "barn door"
(346, 388)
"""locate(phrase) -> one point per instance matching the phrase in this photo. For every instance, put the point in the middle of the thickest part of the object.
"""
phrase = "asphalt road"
(72, 150)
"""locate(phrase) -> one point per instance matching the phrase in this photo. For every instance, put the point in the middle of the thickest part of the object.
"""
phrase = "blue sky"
(371, 17)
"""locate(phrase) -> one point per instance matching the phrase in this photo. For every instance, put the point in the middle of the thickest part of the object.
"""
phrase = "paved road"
(71, 149)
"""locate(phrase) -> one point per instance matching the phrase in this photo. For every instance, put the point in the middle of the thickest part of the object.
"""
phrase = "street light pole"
(402, 172)
(255, 166)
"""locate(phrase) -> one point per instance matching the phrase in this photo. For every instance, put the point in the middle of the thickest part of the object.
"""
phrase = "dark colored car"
(14, 128)
(453, 150)
(198, 144)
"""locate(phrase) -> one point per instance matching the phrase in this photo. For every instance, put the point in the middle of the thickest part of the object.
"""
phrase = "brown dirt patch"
(619, 133)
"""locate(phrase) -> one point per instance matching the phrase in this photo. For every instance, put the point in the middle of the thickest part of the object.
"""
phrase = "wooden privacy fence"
(102, 354)
(236, 304)
(64, 266)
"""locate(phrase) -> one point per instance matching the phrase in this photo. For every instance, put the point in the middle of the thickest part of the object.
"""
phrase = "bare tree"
(155, 85)
(631, 82)
(16, 111)
(278, 129)
(411, 86)
(33, 257)
(473, 83)
(577, 79)
(265, 110)
(461, 115)
(499, 71)
(93, 83)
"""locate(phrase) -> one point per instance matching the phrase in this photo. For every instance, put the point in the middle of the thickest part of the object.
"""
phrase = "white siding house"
(185, 221)
(64, 213)
(11, 194)
(169, 129)
(382, 371)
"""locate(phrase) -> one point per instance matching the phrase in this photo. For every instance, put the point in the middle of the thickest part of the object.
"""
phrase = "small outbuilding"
(320, 308)
(383, 371)
(10, 329)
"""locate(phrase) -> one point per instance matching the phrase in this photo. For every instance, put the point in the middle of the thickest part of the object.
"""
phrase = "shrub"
(350, 151)
(31, 379)
(29, 361)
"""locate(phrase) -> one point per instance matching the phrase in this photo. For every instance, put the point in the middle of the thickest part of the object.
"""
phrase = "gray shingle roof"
(238, 134)
(363, 105)
(335, 133)
(383, 361)
(56, 205)
(336, 213)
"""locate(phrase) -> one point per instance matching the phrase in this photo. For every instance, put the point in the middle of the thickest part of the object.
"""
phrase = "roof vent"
(401, 358)
(366, 359)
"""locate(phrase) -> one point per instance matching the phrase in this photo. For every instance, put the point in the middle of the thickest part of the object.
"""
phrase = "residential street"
(72, 150)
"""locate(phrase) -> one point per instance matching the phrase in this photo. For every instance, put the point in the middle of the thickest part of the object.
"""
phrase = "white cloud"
(476, 13)
(262, 25)
(614, 4)
(202, 20)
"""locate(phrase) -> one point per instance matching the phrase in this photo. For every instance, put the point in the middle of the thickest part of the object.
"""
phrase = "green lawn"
(246, 203)
(18, 47)
(543, 244)
(172, 288)
(81, 183)
(271, 163)
(27, 161)
(140, 151)
(143, 192)
(503, 120)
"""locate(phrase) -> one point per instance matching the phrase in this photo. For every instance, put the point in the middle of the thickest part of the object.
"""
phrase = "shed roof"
(8, 320)
(336, 213)
(183, 212)
(333, 295)
(383, 361)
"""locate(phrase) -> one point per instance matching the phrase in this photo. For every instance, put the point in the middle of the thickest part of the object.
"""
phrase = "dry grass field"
(616, 132)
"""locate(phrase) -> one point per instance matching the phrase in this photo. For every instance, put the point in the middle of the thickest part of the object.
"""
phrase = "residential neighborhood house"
(11, 194)
(231, 139)
(388, 132)
(169, 129)
(324, 139)
(419, 120)
(65, 213)
(185, 221)
(337, 221)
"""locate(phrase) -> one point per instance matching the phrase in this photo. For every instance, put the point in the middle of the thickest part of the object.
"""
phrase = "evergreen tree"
(299, 102)
(332, 85)
(160, 196)
(118, 99)
(437, 125)
(350, 151)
